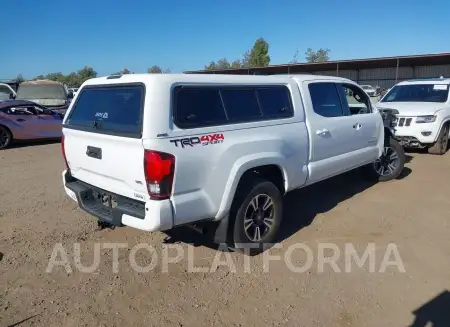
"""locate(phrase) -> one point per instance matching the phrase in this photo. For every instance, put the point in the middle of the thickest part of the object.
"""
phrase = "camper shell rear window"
(109, 109)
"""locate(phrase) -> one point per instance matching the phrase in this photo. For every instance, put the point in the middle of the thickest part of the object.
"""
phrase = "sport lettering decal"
(204, 140)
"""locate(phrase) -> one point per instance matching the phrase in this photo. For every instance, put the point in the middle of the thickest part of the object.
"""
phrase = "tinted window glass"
(275, 101)
(325, 99)
(110, 109)
(241, 105)
(198, 107)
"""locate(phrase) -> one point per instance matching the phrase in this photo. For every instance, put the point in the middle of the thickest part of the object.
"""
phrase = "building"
(383, 72)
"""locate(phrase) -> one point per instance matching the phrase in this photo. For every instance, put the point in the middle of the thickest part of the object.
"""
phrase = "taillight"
(64, 152)
(159, 170)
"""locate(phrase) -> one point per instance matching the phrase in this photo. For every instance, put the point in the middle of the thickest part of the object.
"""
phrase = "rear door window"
(325, 99)
(115, 110)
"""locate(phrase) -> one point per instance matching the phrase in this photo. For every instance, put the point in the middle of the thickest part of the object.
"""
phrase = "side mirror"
(12, 96)
(70, 95)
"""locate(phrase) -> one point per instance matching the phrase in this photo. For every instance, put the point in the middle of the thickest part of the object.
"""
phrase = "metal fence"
(388, 77)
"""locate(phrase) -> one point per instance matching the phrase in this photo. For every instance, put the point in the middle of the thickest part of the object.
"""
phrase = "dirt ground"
(412, 213)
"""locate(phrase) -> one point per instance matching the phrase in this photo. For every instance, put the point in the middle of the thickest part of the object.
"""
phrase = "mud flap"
(221, 232)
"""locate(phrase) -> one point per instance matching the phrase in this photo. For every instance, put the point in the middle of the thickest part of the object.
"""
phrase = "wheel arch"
(270, 166)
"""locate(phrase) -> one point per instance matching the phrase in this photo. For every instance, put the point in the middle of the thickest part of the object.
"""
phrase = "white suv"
(423, 113)
(157, 151)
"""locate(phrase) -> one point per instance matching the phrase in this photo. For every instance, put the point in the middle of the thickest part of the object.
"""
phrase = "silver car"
(26, 120)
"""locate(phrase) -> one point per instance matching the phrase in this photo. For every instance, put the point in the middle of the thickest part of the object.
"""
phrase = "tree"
(74, 79)
(236, 64)
(259, 54)
(155, 69)
(320, 55)
(245, 62)
(125, 71)
(86, 73)
(212, 65)
(223, 64)
(294, 58)
(20, 79)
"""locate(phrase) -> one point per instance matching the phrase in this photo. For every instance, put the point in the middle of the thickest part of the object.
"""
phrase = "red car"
(26, 120)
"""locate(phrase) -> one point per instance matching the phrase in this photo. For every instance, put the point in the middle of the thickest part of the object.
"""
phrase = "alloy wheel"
(387, 163)
(259, 217)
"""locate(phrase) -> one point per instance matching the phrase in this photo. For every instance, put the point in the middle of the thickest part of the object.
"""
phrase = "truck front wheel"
(440, 147)
(258, 210)
(390, 164)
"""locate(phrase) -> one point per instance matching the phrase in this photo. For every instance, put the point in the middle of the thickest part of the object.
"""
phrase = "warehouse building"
(383, 72)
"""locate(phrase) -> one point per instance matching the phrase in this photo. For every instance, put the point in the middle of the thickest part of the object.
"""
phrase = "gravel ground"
(411, 213)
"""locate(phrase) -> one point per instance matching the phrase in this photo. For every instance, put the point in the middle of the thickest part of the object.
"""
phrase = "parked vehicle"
(370, 90)
(50, 94)
(423, 117)
(6, 92)
(215, 152)
(25, 120)
(74, 91)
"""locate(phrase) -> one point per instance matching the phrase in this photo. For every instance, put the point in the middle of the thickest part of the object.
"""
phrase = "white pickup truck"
(157, 151)
(423, 113)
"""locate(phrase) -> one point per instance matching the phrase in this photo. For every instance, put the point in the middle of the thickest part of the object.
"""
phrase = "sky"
(45, 36)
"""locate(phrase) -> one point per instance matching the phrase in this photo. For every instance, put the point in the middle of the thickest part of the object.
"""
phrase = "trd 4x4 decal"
(202, 140)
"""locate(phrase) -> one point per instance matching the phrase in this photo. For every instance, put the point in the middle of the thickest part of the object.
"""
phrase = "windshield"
(41, 92)
(417, 93)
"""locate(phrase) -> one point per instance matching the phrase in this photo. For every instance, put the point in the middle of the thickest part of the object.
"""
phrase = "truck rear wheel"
(440, 147)
(390, 164)
(257, 210)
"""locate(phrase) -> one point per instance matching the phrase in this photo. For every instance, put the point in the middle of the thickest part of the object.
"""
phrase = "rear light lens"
(64, 152)
(159, 170)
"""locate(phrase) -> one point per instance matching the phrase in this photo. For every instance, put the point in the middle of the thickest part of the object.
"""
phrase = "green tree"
(212, 65)
(245, 61)
(259, 54)
(125, 71)
(236, 64)
(320, 55)
(86, 73)
(223, 64)
(155, 69)
(57, 77)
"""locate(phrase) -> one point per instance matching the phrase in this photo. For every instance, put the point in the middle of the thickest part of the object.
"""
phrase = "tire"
(440, 147)
(263, 195)
(390, 165)
(5, 137)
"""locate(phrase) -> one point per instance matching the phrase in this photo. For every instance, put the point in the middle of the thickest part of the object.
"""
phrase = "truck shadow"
(300, 207)
(24, 144)
(434, 312)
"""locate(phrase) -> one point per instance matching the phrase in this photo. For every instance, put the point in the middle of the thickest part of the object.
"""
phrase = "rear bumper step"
(118, 210)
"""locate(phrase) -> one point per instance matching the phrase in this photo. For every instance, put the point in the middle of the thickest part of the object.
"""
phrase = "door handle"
(322, 131)
(20, 119)
(357, 126)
